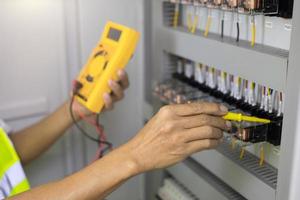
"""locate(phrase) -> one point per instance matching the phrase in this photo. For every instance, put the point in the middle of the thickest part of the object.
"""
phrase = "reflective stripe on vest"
(12, 178)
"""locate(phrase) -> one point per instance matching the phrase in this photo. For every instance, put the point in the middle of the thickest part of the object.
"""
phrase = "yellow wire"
(193, 30)
(253, 33)
(262, 156)
(223, 74)
(242, 153)
(252, 86)
(208, 25)
(175, 19)
(233, 143)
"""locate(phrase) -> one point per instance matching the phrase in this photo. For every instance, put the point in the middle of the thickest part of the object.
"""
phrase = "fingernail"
(121, 73)
(110, 82)
(223, 108)
(228, 125)
(106, 96)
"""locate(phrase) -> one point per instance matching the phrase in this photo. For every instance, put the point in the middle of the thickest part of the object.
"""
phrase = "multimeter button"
(89, 78)
(105, 65)
(100, 53)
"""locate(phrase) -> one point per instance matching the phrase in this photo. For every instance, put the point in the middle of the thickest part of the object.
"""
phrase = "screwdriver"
(238, 117)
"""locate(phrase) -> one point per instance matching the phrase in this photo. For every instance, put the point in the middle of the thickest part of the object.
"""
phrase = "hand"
(176, 132)
(117, 88)
(117, 94)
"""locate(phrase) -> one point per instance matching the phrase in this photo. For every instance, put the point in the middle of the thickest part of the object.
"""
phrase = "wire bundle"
(104, 145)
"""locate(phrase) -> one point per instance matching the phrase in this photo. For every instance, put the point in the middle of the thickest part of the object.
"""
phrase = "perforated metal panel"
(266, 173)
(213, 180)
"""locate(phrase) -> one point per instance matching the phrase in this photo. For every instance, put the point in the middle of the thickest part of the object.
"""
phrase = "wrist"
(70, 110)
(129, 161)
(119, 165)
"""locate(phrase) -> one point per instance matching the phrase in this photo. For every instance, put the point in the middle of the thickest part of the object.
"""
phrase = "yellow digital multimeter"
(113, 52)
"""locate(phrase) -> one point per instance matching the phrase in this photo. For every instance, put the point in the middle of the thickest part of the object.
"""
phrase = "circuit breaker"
(223, 52)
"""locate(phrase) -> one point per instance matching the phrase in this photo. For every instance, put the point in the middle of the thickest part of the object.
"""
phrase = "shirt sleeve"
(5, 127)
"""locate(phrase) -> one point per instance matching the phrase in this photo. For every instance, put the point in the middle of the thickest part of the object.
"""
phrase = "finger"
(115, 98)
(108, 101)
(205, 132)
(204, 120)
(116, 89)
(124, 80)
(200, 145)
(200, 108)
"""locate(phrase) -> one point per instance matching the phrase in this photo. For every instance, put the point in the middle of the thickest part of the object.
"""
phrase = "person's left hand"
(117, 94)
(117, 88)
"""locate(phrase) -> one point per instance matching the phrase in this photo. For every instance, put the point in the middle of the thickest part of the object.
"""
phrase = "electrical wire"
(262, 155)
(262, 103)
(231, 79)
(233, 143)
(77, 125)
(208, 23)
(222, 28)
(280, 104)
(267, 99)
(238, 32)
(82, 131)
(252, 100)
(253, 31)
(237, 28)
(176, 15)
(195, 24)
(222, 25)
(109, 145)
(242, 154)
(245, 94)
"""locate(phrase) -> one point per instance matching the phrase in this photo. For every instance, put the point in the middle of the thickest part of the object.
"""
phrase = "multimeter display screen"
(114, 34)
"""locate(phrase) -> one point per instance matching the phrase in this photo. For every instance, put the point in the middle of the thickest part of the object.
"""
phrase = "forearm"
(33, 141)
(94, 182)
(173, 134)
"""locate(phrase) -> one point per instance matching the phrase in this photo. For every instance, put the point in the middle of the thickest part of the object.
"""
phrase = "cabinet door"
(32, 73)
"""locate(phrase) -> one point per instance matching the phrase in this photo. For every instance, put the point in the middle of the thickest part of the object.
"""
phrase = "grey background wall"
(32, 68)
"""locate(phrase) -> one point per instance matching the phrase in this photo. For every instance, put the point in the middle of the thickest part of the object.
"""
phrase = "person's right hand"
(176, 132)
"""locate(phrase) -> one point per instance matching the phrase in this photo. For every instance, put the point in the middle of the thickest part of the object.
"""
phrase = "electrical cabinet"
(246, 58)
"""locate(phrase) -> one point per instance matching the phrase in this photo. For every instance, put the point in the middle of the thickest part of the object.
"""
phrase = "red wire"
(281, 98)
(99, 129)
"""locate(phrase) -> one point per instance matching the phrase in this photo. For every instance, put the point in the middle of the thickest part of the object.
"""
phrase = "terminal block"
(198, 82)
(253, 133)
(286, 8)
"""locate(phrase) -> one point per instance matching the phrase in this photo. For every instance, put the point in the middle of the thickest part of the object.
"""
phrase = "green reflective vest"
(12, 177)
